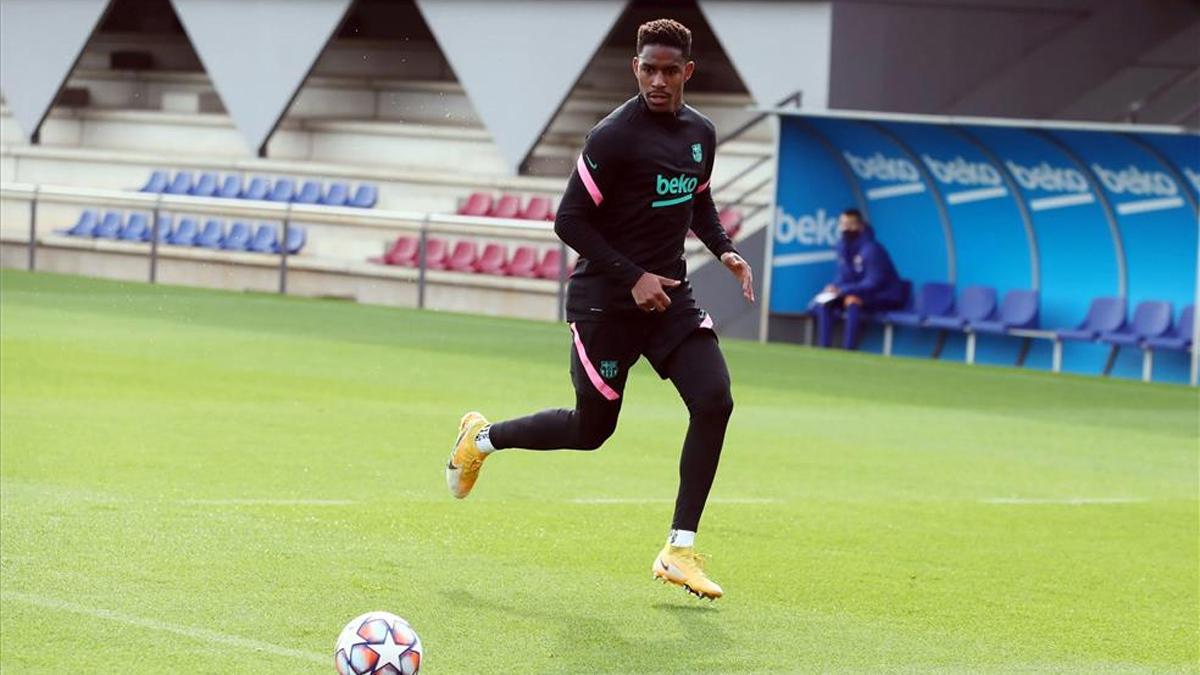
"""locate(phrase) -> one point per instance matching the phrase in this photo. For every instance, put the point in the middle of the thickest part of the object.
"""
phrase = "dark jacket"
(865, 269)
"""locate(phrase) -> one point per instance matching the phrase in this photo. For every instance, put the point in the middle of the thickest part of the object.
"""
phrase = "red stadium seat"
(538, 208)
(493, 260)
(548, 267)
(463, 258)
(523, 263)
(435, 254)
(508, 206)
(478, 204)
(403, 252)
(731, 219)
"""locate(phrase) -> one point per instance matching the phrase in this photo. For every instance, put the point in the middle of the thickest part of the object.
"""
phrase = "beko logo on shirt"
(1048, 178)
(1193, 176)
(880, 167)
(960, 171)
(681, 184)
(1134, 181)
(818, 229)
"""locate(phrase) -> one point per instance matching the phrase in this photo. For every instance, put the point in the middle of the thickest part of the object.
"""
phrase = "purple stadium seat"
(109, 226)
(206, 185)
(231, 188)
(1106, 315)
(185, 233)
(337, 195)
(258, 188)
(364, 197)
(182, 184)
(283, 190)
(493, 259)
(297, 237)
(137, 228)
(265, 239)
(84, 226)
(1180, 337)
(310, 193)
(463, 257)
(934, 299)
(523, 263)
(977, 303)
(538, 208)
(1151, 319)
(238, 237)
(211, 235)
(157, 182)
(478, 204)
(1019, 309)
(508, 206)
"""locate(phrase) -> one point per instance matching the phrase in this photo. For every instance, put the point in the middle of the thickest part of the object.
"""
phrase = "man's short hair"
(665, 33)
(854, 213)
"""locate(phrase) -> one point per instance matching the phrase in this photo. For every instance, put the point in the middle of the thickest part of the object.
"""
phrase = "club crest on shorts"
(697, 152)
(608, 369)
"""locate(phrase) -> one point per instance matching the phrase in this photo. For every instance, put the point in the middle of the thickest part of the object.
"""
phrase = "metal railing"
(795, 100)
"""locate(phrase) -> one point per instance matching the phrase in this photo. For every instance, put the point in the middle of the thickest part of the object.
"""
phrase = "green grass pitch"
(195, 481)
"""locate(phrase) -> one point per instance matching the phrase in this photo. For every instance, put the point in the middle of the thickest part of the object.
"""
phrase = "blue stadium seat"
(137, 228)
(84, 226)
(977, 303)
(1019, 309)
(1106, 315)
(238, 237)
(365, 197)
(157, 182)
(211, 235)
(206, 185)
(164, 228)
(283, 191)
(265, 240)
(109, 226)
(310, 193)
(182, 184)
(296, 238)
(1180, 337)
(338, 195)
(185, 233)
(1151, 319)
(231, 188)
(258, 188)
(934, 299)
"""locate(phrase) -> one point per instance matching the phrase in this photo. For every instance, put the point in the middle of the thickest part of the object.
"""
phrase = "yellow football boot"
(682, 566)
(462, 470)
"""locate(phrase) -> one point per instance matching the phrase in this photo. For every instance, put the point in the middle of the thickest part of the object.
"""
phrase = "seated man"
(866, 281)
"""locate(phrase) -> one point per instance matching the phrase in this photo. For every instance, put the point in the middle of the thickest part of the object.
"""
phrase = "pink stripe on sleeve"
(707, 322)
(704, 187)
(586, 177)
(598, 382)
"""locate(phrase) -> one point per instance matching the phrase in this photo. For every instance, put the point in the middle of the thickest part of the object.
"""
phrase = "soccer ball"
(377, 643)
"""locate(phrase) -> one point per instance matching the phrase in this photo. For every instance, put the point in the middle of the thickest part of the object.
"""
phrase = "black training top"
(640, 183)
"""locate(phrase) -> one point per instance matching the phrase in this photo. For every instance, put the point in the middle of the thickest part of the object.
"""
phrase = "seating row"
(261, 188)
(465, 256)
(484, 205)
(239, 237)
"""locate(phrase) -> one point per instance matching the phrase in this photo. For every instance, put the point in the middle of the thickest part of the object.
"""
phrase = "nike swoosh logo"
(664, 565)
(450, 465)
(591, 163)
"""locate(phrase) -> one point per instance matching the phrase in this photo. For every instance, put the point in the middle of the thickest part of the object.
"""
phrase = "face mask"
(850, 235)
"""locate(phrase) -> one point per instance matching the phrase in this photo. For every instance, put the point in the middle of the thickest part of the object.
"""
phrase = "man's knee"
(715, 402)
(593, 432)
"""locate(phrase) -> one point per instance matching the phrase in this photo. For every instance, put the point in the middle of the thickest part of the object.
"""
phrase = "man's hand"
(740, 269)
(830, 288)
(649, 293)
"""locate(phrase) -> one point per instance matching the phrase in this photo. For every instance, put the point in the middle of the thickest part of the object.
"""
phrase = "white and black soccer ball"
(378, 643)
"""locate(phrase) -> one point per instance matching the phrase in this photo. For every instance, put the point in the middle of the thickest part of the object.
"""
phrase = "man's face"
(849, 226)
(661, 72)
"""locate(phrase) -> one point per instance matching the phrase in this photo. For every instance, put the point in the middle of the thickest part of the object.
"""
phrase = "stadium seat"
(364, 197)
(493, 259)
(206, 185)
(731, 219)
(238, 237)
(231, 188)
(258, 188)
(185, 233)
(157, 182)
(337, 195)
(297, 237)
(478, 204)
(84, 226)
(165, 223)
(109, 226)
(137, 228)
(265, 240)
(182, 184)
(977, 303)
(310, 193)
(1151, 319)
(508, 206)
(523, 263)
(1106, 315)
(402, 252)
(548, 268)
(211, 235)
(538, 208)
(1019, 309)
(435, 254)
(463, 257)
(283, 190)
(1178, 338)
(934, 299)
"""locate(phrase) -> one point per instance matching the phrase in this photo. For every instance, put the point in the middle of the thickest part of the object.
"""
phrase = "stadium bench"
(1017, 316)
(934, 299)
(1151, 319)
(1105, 315)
